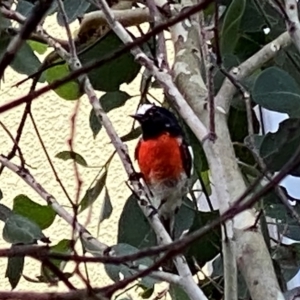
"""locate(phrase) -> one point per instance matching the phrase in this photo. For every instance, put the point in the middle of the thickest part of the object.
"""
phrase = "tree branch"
(29, 26)
(226, 177)
(293, 24)
(246, 68)
(127, 17)
(188, 78)
(50, 199)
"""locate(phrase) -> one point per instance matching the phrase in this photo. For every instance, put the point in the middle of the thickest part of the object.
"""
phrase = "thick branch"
(247, 246)
(127, 17)
(188, 78)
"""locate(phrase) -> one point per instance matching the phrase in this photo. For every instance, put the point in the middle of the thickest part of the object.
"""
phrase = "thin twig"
(16, 146)
(73, 54)
(49, 158)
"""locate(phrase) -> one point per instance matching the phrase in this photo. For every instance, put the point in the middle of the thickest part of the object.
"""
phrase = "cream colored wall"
(52, 115)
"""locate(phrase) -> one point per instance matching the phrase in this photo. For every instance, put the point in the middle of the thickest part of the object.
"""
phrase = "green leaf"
(209, 246)
(258, 139)
(248, 44)
(113, 271)
(37, 47)
(112, 100)
(211, 289)
(277, 148)
(66, 155)
(229, 61)
(147, 292)
(217, 275)
(276, 90)
(53, 9)
(286, 59)
(132, 135)
(4, 22)
(184, 218)
(18, 229)
(288, 257)
(73, 9)
(238, 128)
(106, 208)
(95, 125)
(177, 293)
(63, 247)
(110, 75)
(25, 61)
(92, 194)
(109, 101)
(133, 227)
(14, 269)
(231, 26)
(285, 222)
(5, 212)
(42, 215)
(253, 20)
(68, 91)
(24, 7)
(205, 182)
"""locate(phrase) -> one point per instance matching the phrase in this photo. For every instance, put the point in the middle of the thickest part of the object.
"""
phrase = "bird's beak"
(137, 117)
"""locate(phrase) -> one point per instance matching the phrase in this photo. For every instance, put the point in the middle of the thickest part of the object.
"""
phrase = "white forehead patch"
(143, 108)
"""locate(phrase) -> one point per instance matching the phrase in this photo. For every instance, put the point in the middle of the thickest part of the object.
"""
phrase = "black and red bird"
(165, 160)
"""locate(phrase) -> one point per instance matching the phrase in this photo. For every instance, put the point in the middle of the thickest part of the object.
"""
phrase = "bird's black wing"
(187, 158)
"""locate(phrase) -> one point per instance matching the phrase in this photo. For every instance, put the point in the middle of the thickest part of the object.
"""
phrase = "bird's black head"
(155, 120)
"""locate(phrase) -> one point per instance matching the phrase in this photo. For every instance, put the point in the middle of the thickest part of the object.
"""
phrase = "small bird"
(165, 160)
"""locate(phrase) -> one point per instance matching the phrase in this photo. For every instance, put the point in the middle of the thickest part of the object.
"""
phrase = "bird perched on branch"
(165, 160)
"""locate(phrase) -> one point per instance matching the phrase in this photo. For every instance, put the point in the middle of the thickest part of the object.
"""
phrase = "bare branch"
(245, 69)
(127, 17)
(30, 180)
(293, 24)
(226, 177)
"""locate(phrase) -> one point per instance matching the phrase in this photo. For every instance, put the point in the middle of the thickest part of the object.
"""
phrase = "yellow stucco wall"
(52, 115)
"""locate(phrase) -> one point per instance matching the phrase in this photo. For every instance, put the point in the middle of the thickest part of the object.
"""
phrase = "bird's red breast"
(160, 158)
